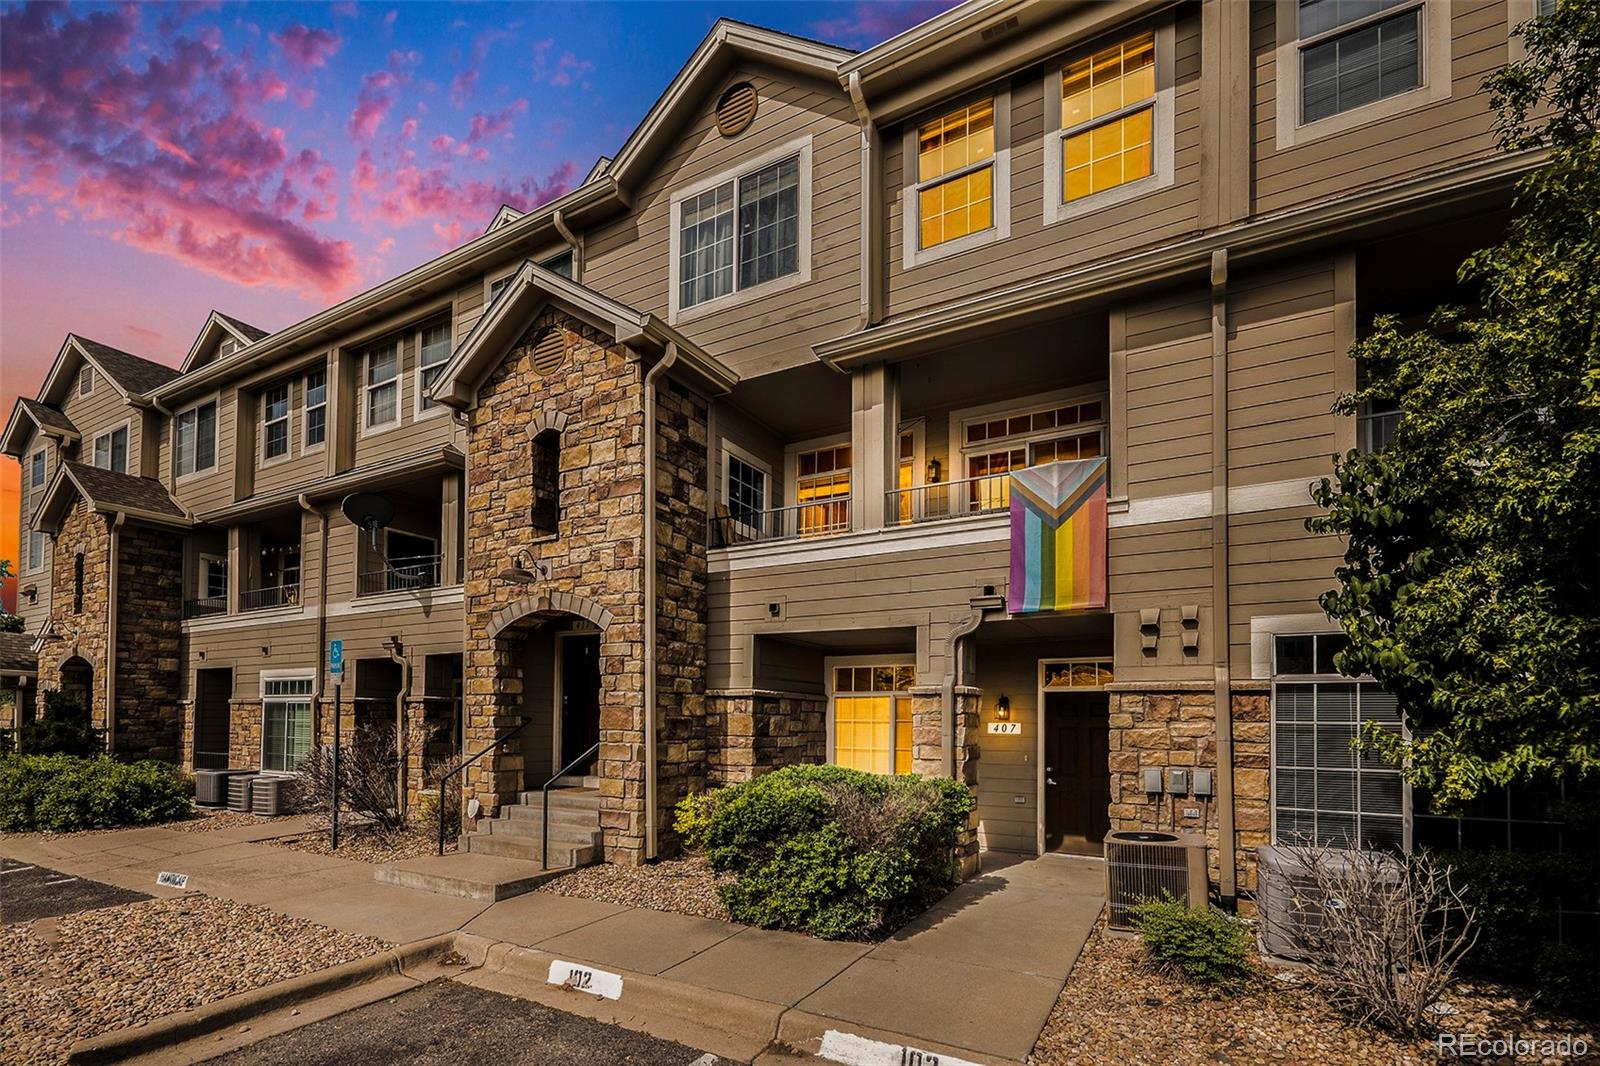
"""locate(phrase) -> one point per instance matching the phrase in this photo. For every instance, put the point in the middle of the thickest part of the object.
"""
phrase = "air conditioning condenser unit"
(269, 796)
(1142, 866)
(211, 786)
(239, 791)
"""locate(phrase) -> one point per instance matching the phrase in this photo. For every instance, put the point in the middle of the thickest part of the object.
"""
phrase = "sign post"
(336, 672)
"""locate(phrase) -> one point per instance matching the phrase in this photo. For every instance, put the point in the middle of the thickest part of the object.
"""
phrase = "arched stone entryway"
(77, 683)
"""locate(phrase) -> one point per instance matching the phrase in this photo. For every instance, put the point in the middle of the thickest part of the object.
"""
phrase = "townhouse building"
(742, 452)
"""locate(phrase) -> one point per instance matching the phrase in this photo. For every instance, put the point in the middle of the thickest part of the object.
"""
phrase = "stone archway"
(549, 604)
(77, 683)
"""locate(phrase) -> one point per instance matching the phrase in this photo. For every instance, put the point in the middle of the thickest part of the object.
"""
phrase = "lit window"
(275, 421)
(383, 385)
(286, 723)
(822, 490)
(872, 717)
(993, 447)
(955, 174)
(196, 439)
(111, 450)
(1108, 118)
(905, 476)
(36, 470)
(1356, 52)
(764, 245)
(316, 405)
(433, 354)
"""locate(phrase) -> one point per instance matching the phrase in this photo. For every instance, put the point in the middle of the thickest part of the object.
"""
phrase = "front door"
(213, 689)
(1077, 772)
(580, 695)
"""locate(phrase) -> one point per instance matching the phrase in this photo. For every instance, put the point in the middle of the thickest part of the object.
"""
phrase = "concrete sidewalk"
(974, 978)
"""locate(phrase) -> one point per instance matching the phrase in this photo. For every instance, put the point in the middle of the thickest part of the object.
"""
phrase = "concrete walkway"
(974, 978)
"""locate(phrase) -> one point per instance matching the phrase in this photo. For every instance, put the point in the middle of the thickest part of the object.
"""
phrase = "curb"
(207, 1020)
(809, 1033)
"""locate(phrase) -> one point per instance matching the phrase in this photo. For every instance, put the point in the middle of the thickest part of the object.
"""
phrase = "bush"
(63, 729)
(1204, 945)
(369, 776)
(836, 853)
(63, 793)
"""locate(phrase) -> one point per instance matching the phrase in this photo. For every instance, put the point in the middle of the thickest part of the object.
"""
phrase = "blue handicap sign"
(336, 658)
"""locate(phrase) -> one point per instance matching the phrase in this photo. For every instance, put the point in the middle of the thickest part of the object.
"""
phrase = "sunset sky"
(266, 160)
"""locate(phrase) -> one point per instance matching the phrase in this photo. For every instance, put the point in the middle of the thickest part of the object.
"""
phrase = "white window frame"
(730, 450)
(490, 279)
(110, 434)
(960, 450)
(86, 380)
(38, 468)
(287, 384)
(309, 698)
(1162, 134)
(36, 550)
(421, 407)
(905, 658)
(206, 559)
(912, 254)
(306, 447)
(369, 428)
(1433, 43)
(791, 464)
(800, 147)
(216, 437)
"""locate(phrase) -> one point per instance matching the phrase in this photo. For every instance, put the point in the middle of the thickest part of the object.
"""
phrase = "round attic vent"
(549, 352)
(736, 108)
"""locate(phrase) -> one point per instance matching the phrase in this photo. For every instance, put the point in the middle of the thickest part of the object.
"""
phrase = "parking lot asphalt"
(28, 892)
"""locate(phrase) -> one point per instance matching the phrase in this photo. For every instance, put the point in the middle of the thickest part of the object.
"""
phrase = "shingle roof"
(110, 489)
(243, 327)
(45, 415)
(131, 372)
(16, 654)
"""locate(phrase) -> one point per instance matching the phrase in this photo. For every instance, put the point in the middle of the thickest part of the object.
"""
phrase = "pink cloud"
(408, 194)
(372, 105)
(307, 47)
(871, 22)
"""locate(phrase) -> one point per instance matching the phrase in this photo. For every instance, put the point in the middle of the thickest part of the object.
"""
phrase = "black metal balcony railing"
(402, 574)
(271, 596)
(821, 518)
(948, 499)
(205, 605)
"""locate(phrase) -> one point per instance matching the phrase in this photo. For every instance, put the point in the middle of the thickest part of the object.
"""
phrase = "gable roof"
(531, 288)
(44, 418)
(247, 333)
(217, 324)
(16, 654)
(108, 492)
(129, 374)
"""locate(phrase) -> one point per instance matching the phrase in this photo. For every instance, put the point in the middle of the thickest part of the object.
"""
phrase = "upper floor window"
(1355, 52)
(1108, 117)
(275, 421)
(955, 174)
(382, 385)
(745, 485)
(196, 439)
(822, 490)
(214, 577)
(559, 264)
(498, 285)
(994, 444)
(743, 231)
(316, 406)
(86, 380)
(433, 352)
(36, 469)
(546, 514)
(36, 555)
(77, 583)
(111, 450)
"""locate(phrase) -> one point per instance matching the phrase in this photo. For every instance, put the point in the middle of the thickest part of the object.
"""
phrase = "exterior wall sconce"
(933, 471)
(1002, 709)
(525, 569)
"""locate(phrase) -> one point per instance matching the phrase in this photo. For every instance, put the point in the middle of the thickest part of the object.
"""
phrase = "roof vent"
(1000, 29)
(736, 108)
(550, 351)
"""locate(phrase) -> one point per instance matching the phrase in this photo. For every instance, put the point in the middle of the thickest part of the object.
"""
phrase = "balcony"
(205, 606)
(824, 518)
(403, 574)
(940, 500)
(271, 596)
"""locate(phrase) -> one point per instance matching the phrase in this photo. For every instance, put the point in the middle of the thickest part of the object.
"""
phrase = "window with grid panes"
(1356, 52)
(822, 489)
(111, 450)
(747, 491)
(1108, 103)
(316, 405)
(286, 723)
(955, 174)
(432, 355)
(766, 246)
(275, 421)
(993, 447)
(382, 385)
(872, 717)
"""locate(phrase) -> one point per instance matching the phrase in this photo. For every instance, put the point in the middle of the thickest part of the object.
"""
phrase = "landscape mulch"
(209, 820)
(365, 844)
(69, 978)
(682, 886)
(1116, 1009)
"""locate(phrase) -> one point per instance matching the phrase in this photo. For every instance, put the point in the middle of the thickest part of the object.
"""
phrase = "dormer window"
(86, 380)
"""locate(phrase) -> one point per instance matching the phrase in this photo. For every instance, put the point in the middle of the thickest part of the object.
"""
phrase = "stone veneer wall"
(927, 754)
(595, 400)
(752, 731)
(82, 633)
(149, 718)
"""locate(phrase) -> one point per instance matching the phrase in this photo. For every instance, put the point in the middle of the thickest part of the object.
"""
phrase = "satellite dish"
(369, 511)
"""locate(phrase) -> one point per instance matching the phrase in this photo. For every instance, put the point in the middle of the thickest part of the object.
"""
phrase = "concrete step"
(469, 875)
(562, 853)
(529, 829)
(563, 797)
(533, 812)
(575, 781)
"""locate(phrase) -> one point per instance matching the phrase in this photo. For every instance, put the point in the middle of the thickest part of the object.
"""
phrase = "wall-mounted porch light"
(525, 569)
(933, 471)
(1002, 709)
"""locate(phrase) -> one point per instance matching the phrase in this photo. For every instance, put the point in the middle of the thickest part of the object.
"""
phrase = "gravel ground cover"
(64, 979)
(367, 845)
(1114, 1009)
(210, 819)
(683, 886)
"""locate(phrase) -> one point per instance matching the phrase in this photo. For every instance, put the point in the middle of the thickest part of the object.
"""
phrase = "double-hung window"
(1108, 116)
(956, 174)
(872, 716)
(286, 722)
(382, 386)
(316, 407)
(744, 231)
(36, 555)
(36, 470)
(1357, 52)
(111, 450)
(745, 488)
(86, 380)
(214, 577)
(196, 446)
(275, 421)
(432, 354)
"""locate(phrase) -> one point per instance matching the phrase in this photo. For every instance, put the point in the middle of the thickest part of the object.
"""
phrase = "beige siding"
(414, 431)
(30, 574)
(102, 410)
(209, 489)
(1277, 568)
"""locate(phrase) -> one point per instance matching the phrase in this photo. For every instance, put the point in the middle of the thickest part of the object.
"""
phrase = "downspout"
(111, 633)
(397, 655)
(322, 600)
(650, 597)
(559, 220)
(955, 675)
(1222, 692)
(870, 242)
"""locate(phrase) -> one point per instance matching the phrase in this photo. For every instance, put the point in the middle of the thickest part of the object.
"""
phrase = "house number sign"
(1006, 729)
(585, 979)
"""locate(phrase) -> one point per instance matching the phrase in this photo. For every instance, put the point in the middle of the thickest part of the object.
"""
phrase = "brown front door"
(213, 688)
(1077, 773)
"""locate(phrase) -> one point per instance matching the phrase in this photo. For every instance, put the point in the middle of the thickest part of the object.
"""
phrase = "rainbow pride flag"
(1058, 537)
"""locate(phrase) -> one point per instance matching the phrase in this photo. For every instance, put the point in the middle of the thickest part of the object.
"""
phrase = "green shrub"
(833, 852)
(63, 793)
(63, 729)
(1204, 945)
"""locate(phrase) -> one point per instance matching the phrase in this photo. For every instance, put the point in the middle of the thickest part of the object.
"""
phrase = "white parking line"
(61, 880)
(16, 869)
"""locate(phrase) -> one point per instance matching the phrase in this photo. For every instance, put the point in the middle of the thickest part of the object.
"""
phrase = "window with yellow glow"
(872, 718)
(994, 447)
(822, 489)
(1108, 118)
(906, 475)
(955, 174)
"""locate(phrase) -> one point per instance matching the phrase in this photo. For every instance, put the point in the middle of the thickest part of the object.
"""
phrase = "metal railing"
(271, 596)
(820, 518)
(503, 738)
(402, 574)
(205, 605)
(544, 800)
(948, 499)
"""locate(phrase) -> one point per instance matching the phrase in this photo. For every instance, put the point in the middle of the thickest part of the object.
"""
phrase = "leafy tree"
(1470, 585)
(9, 623)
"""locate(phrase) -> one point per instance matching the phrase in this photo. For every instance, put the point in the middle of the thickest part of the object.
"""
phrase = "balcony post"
(450, 530)
(874, 441)
(235, 568)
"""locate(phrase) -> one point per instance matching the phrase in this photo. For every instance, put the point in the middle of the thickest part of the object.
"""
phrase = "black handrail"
(463, 766)
(544, 800)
